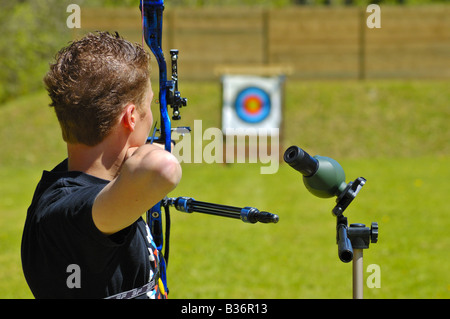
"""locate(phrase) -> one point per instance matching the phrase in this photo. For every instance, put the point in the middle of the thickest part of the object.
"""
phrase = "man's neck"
(103, 160)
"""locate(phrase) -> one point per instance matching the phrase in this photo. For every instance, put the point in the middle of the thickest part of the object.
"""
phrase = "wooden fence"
(302, 42)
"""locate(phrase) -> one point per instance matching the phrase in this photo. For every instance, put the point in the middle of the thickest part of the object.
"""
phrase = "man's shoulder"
(60, 189)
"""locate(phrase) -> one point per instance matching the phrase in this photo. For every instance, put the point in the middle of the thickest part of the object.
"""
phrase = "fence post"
(170, 16)
(265, 36)
(362, 45)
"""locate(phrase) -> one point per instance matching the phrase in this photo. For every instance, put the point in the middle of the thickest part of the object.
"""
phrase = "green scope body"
(323, 176)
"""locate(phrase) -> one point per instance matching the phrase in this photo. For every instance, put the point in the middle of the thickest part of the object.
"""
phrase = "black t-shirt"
(64, 255)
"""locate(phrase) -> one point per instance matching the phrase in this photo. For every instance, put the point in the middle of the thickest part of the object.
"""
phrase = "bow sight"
(175, 100)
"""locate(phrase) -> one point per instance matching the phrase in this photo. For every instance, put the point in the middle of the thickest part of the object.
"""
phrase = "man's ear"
(129, 117)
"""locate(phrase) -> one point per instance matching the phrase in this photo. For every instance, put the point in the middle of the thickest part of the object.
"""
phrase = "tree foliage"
(32, 31)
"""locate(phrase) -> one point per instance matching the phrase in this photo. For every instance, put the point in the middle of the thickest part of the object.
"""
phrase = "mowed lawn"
(393, 133)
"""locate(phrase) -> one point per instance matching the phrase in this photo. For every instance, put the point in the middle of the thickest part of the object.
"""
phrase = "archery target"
(252, 105)
(251, 102)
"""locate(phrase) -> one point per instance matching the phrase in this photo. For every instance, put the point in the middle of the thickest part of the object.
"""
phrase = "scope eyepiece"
(301, 161)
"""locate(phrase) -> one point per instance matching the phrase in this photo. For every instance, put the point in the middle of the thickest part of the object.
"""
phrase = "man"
(84, 236)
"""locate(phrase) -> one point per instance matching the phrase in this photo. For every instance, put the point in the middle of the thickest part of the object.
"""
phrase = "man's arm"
(146, 177)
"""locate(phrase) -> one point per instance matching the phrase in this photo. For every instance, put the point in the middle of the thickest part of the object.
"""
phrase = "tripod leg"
(358, 274)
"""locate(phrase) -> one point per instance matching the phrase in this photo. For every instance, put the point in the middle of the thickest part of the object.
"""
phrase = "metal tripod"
(352, 240)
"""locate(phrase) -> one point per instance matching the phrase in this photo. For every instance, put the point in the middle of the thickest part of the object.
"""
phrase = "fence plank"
(312, 42)
(412, 42)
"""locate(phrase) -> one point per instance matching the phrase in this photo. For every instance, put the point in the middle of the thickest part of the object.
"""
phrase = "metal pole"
(358, 274)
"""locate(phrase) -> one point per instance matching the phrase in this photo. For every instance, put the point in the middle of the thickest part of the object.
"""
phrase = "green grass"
(297, 258)
(394, 133)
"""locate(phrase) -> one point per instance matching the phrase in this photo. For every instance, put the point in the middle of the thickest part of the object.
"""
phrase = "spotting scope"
(324, 177)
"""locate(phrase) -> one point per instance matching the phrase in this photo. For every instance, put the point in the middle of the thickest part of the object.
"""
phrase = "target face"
(251, 102)
(252, 105)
